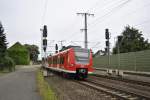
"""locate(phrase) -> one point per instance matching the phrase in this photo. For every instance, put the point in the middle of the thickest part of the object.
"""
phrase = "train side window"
(53, 60)
(49, 60)
(60, 60)
(57, 59)
(63, 60)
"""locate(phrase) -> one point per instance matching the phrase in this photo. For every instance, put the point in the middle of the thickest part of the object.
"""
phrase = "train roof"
(64, 49)
(68, 47)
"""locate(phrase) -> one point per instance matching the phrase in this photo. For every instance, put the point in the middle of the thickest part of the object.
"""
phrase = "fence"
(136, 61)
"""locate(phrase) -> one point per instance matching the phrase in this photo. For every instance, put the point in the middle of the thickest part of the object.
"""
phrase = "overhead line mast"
(85, 27)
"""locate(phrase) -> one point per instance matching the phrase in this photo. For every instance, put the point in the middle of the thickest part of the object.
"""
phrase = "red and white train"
(73, 61)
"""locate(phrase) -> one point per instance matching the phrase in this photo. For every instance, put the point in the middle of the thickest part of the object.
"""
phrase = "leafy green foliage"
(131, 40)
(19, 53)
(3, 42)
(5, 61)
(33, 51)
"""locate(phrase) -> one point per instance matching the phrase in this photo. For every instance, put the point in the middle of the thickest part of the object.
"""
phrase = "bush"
(7, 63)
(19, 57)
(19, 54)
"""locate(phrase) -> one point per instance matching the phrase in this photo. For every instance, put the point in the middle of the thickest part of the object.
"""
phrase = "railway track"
(143, 83)
(115, 93)
(129, 86)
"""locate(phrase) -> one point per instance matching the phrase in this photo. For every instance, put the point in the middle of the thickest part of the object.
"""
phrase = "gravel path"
(19, 85)
(66, 89)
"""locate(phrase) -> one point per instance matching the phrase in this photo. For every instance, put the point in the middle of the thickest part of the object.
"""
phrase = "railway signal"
(107, 40)
(107, 49)
(56, 48)
(44, 48)
(107, 43)
(44, 42)
(107, 34)
(45, 31)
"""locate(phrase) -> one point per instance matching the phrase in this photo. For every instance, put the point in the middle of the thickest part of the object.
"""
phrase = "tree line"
(8, 56)
(5, 61)
(130, 40)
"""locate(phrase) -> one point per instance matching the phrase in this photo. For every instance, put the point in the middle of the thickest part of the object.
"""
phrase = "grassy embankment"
(44, 89)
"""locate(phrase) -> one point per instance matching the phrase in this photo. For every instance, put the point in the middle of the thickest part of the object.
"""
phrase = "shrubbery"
(20, 57)
(19, 54)
(7, 63)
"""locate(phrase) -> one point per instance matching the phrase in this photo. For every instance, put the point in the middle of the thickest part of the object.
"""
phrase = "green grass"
(44, 89)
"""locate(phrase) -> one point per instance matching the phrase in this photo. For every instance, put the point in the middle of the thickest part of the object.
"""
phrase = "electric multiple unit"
(74, 61)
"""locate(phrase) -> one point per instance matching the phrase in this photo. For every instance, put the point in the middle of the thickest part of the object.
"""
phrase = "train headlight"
(82, 71)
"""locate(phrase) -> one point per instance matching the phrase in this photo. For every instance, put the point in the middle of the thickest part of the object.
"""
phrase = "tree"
(19, 53)
(131, 40)
(33, 51)
(5, 60)
(3, 42)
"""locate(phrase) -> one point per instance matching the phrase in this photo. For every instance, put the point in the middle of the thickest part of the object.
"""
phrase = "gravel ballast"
(67, 89)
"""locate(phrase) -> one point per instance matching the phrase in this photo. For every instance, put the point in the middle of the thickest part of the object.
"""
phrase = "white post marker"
(45, 74)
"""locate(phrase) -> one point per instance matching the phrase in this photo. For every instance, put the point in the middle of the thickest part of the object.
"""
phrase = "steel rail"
(114, 92)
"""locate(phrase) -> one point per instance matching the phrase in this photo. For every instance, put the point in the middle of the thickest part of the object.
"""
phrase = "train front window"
(82, 56)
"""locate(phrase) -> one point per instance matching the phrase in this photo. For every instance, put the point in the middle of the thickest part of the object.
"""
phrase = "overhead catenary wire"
(109, 13)
(137, 10)
(129, 13)
(92, 7)
(77, 32)
(144, 22)
(44, 11)
(104, 7)
(95, 5)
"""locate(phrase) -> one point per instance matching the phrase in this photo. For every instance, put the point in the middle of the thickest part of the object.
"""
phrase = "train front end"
(83, 62)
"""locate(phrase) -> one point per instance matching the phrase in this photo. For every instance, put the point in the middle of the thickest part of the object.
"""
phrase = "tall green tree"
(131, 40)
(5, 61)
(3, 42)
(33, 51)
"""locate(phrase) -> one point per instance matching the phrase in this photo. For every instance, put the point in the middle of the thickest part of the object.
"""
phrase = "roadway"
(19, 85)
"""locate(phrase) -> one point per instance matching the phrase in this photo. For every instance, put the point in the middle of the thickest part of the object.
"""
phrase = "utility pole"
(85, 27)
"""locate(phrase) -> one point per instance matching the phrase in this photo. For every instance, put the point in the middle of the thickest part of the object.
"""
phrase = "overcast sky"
(22, 20)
